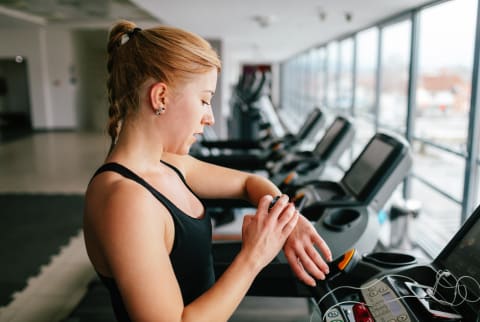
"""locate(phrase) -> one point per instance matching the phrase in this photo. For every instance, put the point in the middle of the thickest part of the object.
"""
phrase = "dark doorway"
(15, 117)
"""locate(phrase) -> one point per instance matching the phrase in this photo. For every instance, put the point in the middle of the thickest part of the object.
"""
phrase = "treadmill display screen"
(365, 167)
(308, 124)
(463, 259)
(327, 140)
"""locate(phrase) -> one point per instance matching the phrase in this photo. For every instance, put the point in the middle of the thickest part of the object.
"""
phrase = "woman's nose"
(209, 119)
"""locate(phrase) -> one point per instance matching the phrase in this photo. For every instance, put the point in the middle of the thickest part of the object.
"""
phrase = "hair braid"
(115, 111)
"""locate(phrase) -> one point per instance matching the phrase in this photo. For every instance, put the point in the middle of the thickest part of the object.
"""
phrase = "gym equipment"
(369, 182)
(345, 213)
(401, 287)
(257, 159)
(299, 165)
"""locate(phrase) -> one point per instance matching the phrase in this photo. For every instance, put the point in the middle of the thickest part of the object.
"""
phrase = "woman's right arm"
(263, 236)
(133, 238)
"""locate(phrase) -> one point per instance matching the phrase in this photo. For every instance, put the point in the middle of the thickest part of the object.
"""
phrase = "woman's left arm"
(212, 181)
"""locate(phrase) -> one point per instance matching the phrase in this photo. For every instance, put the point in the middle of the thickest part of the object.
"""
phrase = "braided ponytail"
(116, 111)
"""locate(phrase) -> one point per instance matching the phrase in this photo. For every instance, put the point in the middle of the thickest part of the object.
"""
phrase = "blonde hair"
(164, 53)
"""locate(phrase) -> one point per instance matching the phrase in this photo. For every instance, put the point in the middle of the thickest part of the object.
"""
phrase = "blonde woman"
(146, 231)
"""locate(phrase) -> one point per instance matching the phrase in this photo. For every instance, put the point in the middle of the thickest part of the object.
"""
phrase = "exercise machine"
(270, 150)
(389, 286)
(299, 165)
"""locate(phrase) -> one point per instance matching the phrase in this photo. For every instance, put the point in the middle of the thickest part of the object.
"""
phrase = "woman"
(146, 231)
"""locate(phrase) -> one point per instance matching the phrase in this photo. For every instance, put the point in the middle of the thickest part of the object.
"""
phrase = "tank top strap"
(129, 174)
(180, 174)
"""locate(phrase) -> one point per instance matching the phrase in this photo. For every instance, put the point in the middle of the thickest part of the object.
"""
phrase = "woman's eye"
(205, 103)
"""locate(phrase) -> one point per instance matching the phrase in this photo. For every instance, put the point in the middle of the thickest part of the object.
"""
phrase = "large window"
(345, 81)
(436, 223)
(441, 113)
(439, 168)
(302, 83)
(445, 71)
(394, 76)
(367, 58)
(332, 74)
(436, 115)
(319, 81)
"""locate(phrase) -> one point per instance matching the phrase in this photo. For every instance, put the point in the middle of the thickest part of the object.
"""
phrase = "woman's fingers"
(322, 246)
(286, 215)
(298, 269)
(313, 263)
(264, 204)
(290, 223)
(265, 233)
(278, 207)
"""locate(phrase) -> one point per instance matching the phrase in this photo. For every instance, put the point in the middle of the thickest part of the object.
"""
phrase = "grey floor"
(62, 162)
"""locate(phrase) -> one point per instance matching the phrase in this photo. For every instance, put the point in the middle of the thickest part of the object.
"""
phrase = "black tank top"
(191, 254)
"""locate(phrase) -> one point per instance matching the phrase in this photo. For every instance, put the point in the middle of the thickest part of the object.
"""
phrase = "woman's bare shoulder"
(111, 196)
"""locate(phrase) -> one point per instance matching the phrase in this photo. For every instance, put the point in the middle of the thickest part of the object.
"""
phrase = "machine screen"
(365, 167)
(308, 124)
(328, 138)
(463, 259)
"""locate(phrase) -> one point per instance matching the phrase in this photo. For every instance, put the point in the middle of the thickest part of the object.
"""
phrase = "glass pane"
(291, 94)
(437, 222)
(394, 75)
(442, 169)
(444, 81)
(332, 74)
(367, 57)
(345, 89)
(319, 74)
(298, 78)
(303, 85)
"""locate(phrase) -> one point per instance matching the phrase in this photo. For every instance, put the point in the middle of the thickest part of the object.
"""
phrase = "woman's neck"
(136, 148)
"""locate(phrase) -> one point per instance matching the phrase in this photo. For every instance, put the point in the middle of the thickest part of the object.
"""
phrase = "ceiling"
(21, 13)
(251, 30)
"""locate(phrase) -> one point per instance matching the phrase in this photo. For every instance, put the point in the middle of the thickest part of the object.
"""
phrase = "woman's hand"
(300, 251)
(264, 233)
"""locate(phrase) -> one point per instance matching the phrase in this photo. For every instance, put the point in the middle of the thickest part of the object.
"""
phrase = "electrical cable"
(439, 275)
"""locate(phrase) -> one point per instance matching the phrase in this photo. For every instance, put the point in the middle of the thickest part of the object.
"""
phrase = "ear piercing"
(159, 111)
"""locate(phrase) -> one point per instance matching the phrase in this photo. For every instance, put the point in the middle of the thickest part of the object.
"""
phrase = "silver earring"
(159, 111)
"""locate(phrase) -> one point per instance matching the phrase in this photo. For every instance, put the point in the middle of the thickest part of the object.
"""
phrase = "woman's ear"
(158, 96)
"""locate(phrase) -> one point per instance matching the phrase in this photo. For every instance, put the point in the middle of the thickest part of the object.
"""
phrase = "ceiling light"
(264, 21)
(322, 15)
(348, 16)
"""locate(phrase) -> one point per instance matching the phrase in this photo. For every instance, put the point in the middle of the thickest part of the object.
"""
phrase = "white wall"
(90, 60)
(67, 74)
(49, 56)
(62, 78)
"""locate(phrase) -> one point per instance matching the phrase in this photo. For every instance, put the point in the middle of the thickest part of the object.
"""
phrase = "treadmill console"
(383, 302)
(447, 289)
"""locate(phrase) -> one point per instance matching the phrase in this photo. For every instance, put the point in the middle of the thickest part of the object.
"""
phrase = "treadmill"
(257, 159)
(329, 149)
(344, 213)
(371, 179)
(400, 287)
(302, 164)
